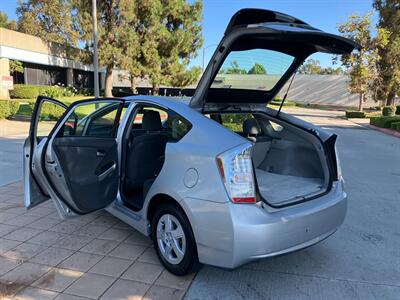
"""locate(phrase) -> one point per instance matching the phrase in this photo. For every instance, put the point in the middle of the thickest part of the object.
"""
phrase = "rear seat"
(261, 143)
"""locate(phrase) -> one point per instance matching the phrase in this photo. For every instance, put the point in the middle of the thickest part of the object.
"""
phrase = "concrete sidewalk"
(91, 257)
(12, 136)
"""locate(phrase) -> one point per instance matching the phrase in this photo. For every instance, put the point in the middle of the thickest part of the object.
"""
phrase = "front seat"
(145, 159)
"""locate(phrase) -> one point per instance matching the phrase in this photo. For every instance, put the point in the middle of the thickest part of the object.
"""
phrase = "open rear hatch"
(276, 45)
(260, 51)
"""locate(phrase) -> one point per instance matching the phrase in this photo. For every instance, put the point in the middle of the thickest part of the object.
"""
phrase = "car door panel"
(77, 169)
(35, 191)
(89, 167)
(81, 166)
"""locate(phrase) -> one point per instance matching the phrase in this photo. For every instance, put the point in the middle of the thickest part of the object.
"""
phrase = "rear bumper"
(256, 233)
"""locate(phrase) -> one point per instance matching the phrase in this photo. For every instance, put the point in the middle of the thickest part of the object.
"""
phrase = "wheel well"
(160, 199)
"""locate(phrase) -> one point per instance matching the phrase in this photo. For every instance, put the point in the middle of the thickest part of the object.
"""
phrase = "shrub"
(27, 91)
(24, 91)
(50, 91)
(13, 106)
(355, 114)
(50, 111)
(388, 111)
(395, 126)
(398, 110)
(384, 121)
(8, 108)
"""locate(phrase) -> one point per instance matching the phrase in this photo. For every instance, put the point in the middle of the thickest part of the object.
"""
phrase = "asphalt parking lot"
(361, 261)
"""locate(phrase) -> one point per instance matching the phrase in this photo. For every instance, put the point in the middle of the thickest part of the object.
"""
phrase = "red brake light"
(236, 170)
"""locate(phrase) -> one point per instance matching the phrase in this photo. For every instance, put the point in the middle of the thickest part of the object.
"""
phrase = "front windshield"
(255, 69)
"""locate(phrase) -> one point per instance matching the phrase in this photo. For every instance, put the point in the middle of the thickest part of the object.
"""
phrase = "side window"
(139, 115)
(176, 126)
(276, 126)
(49, 114)
(99, 119)
(173, 125)
(234, 122)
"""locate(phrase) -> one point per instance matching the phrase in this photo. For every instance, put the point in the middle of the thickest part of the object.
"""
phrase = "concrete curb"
(386, 130)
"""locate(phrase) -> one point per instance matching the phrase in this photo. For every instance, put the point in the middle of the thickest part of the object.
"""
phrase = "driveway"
(361, 261)
(12, 135)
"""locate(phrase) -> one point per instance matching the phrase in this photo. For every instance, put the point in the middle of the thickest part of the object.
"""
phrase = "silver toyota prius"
(217, 179)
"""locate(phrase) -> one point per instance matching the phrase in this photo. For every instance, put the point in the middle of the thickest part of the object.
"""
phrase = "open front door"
(80, 158)
(45, 115)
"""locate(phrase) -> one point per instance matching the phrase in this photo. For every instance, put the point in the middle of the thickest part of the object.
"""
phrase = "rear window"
(255, 69)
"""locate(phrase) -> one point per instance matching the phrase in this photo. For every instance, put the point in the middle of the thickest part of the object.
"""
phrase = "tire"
(178, 255)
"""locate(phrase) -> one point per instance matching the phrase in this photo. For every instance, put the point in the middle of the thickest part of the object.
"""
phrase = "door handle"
(100, 153)
(107, 172)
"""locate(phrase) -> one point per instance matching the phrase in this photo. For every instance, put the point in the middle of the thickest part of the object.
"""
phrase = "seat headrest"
(151, 121)
(251, 127)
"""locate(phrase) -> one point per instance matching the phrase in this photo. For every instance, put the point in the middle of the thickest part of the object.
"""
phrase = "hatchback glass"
(255, 69)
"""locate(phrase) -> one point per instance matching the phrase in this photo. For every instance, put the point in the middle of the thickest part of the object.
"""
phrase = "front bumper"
(254, 232)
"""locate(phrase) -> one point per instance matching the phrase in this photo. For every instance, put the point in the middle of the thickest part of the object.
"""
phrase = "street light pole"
(204, 55)
(95, 51)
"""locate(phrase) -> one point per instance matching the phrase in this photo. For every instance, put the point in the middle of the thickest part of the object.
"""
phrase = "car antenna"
(287, 91)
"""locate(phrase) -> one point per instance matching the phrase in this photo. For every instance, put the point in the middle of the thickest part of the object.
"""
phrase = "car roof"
(178, 104)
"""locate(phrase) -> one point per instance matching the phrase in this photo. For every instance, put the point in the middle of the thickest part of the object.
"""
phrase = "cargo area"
(289, 163)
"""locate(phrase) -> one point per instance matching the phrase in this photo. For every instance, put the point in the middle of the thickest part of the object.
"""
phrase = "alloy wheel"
(171, 239)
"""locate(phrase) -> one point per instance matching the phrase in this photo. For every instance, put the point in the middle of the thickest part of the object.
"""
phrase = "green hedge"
(355, 114)
(51, 111)
(395, 126)
(398, 110)
(388, 111)
(26, 91)
(384, 121)
(8, 108)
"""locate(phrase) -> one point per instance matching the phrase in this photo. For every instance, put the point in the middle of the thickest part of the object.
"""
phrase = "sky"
(322, 14)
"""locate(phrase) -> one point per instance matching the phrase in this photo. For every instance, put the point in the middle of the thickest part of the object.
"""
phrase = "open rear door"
(45, 115)
(79, 160)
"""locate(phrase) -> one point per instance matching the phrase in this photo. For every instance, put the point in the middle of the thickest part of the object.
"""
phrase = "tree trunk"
(133, 85)
(156, 89)
(109, 81)
(390, 98)
(361, 102)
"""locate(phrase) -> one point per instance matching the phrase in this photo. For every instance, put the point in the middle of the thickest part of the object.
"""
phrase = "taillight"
(236, 171)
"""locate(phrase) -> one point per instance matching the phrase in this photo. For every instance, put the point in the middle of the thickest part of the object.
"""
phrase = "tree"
(113, 17)
(313, 66)
(16, 67)
(6, 23)
(361, 65)
(139, 39)
(233, 69)
(257, 69)
(51, 20)
(389, 63)
(176, 39)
